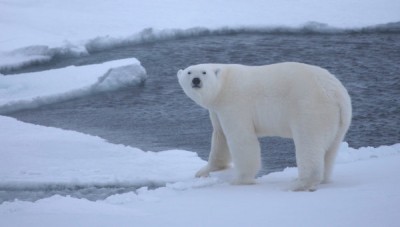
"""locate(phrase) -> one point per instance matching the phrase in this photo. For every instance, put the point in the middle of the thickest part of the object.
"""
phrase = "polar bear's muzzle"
(196, 82)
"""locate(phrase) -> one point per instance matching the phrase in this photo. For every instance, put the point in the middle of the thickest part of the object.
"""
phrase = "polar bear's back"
(279, 80)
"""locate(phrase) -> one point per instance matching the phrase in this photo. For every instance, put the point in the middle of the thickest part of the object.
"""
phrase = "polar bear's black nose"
(196, 82)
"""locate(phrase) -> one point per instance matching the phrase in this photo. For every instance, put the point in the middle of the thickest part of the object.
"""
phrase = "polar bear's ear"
(179, 72)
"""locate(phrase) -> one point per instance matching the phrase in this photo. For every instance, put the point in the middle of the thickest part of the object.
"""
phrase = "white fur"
(290, 100)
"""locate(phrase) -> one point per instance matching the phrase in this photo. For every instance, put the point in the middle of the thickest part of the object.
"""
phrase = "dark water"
(158, 116)
(90, 192)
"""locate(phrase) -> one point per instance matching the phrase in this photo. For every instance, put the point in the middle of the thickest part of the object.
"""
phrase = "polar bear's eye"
(189, 73)
(204, 72)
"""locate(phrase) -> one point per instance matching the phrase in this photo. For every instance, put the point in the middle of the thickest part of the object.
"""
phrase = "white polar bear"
(291, 100)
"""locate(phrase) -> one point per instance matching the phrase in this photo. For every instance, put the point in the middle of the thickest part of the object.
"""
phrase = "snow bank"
(30, 90)
(36, 156)
(39, 30)
(35, 54)
(348, 154)
(153, 35)
(364, 193)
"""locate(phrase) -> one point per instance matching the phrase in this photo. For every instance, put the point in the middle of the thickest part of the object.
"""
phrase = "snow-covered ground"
(366, 186)
(365, 192)
(33, 155)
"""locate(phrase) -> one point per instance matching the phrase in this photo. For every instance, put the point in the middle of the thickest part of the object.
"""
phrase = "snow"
(37, 155)
(30, 90)
(366, 186)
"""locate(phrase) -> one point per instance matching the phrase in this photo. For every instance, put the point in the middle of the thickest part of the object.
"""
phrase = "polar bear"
(290, 100)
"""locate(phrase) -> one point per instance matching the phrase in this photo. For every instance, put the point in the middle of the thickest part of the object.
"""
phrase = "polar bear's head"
(201, 83)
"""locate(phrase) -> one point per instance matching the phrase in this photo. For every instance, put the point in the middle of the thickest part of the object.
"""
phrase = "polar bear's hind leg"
(310, 164)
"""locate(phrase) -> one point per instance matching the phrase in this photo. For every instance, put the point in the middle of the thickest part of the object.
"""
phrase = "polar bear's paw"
(204, 172)
(299, 186)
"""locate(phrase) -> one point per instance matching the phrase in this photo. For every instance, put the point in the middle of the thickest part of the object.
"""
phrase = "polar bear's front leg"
(220, 157)
(246, 155)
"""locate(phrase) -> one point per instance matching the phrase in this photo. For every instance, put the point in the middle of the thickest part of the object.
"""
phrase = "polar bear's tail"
(345, 107)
